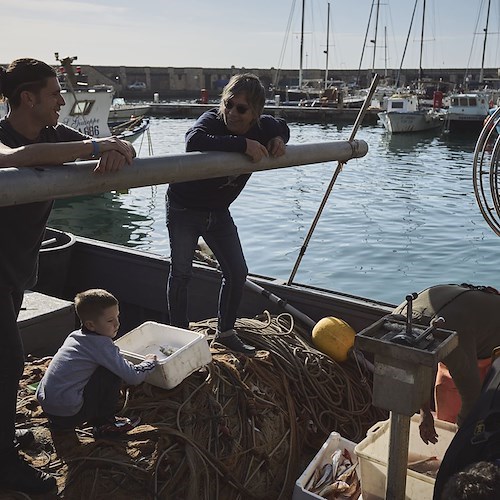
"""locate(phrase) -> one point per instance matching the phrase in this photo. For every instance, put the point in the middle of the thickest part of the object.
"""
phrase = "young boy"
(83, 380)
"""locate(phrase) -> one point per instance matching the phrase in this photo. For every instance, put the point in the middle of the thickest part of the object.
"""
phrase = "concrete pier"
(297, 113)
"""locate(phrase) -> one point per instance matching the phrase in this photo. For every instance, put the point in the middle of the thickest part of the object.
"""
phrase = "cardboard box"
(179, 352)
(334, 442)
(372, 455)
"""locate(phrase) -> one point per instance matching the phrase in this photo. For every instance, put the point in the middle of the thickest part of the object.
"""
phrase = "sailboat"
(317, 92)
(404, 113)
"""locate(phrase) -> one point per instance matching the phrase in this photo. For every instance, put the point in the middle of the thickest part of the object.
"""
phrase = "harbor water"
(400, 219)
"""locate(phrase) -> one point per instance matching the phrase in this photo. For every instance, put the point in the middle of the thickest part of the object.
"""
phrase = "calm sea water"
(398, 220)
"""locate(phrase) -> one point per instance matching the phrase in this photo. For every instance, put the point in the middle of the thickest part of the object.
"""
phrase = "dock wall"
(186, 83)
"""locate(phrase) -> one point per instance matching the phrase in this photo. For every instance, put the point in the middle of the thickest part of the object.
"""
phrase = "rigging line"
(473, 41)
(364, 41)
(283, 47)
(406, 43)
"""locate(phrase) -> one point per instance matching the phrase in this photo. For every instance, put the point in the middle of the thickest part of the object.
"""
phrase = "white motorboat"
(404, 115)
(468, 111)
(121, 111)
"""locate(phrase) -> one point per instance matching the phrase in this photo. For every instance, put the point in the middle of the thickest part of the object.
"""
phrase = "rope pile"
(240, 428)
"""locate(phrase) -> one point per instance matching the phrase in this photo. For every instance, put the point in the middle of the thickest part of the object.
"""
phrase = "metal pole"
(397, 462)
(29, 184)
(302, 44)
(327, 44)
(340, 165)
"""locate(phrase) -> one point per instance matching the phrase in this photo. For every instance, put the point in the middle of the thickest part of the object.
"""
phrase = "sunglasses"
(239, 107)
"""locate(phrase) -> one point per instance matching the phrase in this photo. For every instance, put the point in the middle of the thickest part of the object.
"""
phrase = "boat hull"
(138, 278)
(415, 121)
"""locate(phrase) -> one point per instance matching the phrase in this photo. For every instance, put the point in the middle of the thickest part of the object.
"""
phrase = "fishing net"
(240, 428)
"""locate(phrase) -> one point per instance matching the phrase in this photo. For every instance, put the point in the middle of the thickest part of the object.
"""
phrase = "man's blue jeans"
(218, 230)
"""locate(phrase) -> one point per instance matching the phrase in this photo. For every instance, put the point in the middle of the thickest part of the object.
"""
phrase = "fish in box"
(179, 352)
(332, 472)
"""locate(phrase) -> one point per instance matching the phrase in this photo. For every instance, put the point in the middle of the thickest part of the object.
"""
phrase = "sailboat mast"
(420, 73)
(327, 44)
(385, 51)
(302, 43)
(375, 37)
(481, 74)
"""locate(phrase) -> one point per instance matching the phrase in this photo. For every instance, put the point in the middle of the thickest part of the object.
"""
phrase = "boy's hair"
(248, 84)
(24, 74)
(478, 481)
(89, 305)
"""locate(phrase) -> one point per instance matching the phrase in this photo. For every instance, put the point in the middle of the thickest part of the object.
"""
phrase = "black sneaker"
(234, 343)
(117, 426)
(24, 438)
(21, 476)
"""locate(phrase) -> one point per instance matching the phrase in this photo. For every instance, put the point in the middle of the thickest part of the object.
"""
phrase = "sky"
(250, 33)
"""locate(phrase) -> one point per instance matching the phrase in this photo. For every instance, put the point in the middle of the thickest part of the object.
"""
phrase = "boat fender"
(334, 337)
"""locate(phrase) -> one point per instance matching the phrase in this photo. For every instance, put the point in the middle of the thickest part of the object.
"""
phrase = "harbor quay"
(205, 84)
(295, 113)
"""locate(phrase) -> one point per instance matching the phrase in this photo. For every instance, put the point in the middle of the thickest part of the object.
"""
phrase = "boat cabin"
(402, 103)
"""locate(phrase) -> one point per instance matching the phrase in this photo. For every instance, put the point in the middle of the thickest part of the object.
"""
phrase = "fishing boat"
(87, 107)
(468, 111)
(164, 459)
(122, 111)
(69, 264)
(404, 115)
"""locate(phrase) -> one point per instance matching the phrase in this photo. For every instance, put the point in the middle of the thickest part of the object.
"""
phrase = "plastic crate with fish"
(179, 352)
(423, 459)
(333, 471)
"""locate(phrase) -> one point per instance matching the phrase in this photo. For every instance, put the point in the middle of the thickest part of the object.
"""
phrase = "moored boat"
(468, 111)
(403, 115)
(209, 428)
(122, 111)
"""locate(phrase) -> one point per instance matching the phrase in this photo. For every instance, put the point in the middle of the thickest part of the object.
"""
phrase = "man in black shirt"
(30, 136)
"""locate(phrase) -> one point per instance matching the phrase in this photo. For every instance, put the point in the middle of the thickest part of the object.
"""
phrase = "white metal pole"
(29, 184)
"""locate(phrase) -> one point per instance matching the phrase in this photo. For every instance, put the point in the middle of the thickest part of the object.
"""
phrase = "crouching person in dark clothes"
(83, 380)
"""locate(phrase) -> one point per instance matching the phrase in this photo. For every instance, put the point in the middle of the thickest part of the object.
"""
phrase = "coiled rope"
(239, 428)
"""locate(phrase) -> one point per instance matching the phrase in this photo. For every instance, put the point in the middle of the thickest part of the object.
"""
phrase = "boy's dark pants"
(100, 398)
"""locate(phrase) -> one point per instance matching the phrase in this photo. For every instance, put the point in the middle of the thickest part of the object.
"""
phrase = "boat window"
(472, 101)
(81, 108)
(463, 101)
(397, 105)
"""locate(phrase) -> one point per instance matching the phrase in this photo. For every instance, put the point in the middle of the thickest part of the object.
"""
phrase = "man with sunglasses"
(201, 208)
(30, 135)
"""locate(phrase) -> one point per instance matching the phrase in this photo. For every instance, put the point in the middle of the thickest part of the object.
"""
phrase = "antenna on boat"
(340, 165)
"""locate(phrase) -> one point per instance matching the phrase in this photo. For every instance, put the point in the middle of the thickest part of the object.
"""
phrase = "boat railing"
(31, 184)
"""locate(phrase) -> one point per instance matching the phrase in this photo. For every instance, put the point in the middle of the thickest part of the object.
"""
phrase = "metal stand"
(406, 356)
(398, 455)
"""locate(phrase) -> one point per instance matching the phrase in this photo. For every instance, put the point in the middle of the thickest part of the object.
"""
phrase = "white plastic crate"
(334, 442)
(372, 455)
(190, 351)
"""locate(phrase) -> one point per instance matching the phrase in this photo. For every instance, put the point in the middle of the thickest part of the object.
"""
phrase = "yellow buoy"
(334, 337)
